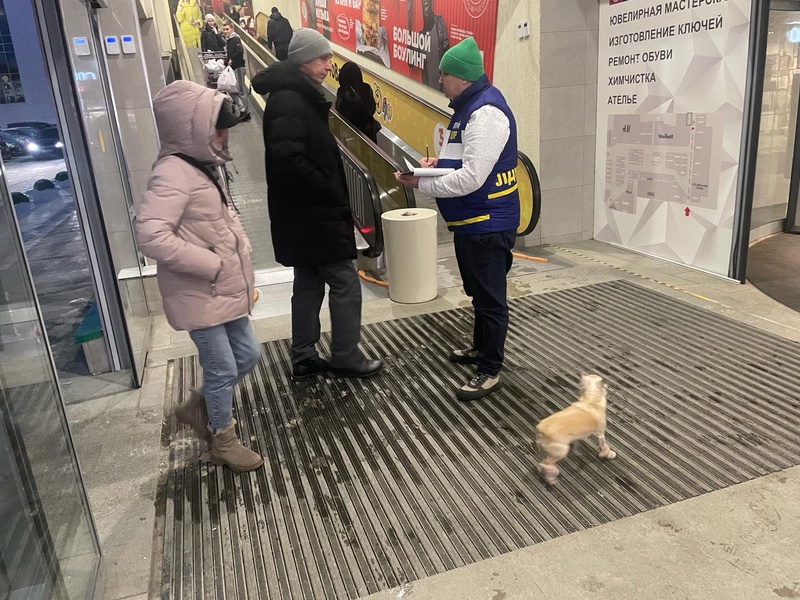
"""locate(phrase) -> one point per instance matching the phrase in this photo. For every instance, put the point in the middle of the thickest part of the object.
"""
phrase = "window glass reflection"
(776, 139)
(47, 545)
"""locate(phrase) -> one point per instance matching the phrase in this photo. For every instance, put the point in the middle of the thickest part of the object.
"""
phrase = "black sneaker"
(481, 385)
(309, 368)
(468, 356)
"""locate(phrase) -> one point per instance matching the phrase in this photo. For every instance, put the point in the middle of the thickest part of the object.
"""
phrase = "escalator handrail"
(408, 193)
(184, 60)
(537, 194)
(374, 195)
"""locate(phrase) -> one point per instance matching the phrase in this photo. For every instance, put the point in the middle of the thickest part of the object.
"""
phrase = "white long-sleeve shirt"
(482, 142)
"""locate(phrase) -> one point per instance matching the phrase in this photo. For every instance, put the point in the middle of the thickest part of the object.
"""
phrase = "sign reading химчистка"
(670, 101)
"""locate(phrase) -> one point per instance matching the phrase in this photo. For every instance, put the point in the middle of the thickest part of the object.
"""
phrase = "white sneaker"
(480, 386)
(467, 356)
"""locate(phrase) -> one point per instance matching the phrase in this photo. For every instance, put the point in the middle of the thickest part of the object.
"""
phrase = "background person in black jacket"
(309, 209)
(279, 34)
(235, 56)
(210, 38)
(355, 101)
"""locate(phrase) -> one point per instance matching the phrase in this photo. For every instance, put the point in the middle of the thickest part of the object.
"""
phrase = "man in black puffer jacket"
(279, 34)
(309, 209)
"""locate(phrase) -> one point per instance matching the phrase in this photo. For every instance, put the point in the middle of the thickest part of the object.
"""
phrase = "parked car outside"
(31, 124)
(41, 144)
(10, 146)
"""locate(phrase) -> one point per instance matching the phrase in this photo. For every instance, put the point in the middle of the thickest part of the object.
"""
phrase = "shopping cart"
(213, 65)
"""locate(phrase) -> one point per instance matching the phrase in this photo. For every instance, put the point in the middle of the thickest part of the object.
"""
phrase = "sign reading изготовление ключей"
(670, 101)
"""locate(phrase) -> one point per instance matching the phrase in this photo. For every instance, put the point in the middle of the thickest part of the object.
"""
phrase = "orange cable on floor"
(538, 259)
(369, 279)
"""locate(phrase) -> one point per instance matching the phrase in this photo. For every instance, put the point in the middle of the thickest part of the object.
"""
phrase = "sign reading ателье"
(670, 100)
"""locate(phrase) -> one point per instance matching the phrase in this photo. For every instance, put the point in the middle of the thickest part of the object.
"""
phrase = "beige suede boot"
(193, 413)
(226, 449)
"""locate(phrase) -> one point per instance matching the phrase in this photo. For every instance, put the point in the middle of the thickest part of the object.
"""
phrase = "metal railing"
(184, 58)
(364, 203)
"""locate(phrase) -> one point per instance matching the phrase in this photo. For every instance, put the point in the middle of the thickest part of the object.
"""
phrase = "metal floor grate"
(369, 484)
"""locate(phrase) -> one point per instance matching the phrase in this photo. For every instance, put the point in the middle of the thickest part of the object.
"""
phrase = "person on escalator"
(309, 209)
(235, 15)
(235, 60)
(189, 18)
(355, 102)
(211, 40)
(279, 34)
(186, 222)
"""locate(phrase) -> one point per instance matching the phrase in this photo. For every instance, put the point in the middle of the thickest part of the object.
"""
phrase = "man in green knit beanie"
(480, 204)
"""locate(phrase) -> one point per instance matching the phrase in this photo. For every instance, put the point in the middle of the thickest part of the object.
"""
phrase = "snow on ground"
(23, 172)
(57, 257)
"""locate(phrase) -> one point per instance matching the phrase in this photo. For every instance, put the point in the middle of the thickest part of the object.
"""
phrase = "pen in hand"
(427, 157)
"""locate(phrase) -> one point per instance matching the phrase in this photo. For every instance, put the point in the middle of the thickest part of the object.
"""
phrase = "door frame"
(56, 52)
(754, 93)
(791, 224)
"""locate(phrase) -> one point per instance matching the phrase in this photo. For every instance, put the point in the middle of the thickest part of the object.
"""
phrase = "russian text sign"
(671, 87)
(407, 36)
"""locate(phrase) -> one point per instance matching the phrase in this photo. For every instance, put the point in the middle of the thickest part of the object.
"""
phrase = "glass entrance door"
(777, 136)
(48, 543)
(99, 172)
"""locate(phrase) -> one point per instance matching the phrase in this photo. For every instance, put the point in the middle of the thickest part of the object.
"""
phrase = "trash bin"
(409, 241)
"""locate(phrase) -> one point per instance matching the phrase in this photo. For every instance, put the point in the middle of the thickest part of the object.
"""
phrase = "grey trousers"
(344, 301)
(241, 97)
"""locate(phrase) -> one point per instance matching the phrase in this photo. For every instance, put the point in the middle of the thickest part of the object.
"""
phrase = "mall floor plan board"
(666, 158)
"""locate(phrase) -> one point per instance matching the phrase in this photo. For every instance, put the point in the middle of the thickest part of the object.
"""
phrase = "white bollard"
(409, 241)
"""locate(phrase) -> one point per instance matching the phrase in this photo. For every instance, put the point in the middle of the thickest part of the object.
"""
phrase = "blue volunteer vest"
(495, 205)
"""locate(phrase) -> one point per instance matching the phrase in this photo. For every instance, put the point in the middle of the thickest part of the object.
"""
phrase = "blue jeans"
(484, 260)
(228, 352)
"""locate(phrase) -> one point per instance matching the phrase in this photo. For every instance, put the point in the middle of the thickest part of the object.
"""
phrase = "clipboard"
(425, 172)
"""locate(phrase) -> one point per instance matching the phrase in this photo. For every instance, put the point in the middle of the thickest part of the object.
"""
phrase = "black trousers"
(282, 50)
(344, 302)
(484, 260)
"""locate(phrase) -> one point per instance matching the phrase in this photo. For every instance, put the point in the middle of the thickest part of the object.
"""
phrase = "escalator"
(370, 167)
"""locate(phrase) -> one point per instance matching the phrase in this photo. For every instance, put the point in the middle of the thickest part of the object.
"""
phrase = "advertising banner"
(670, 101)
(407, 36)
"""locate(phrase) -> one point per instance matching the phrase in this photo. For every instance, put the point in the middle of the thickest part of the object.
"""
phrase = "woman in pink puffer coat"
(205, 273)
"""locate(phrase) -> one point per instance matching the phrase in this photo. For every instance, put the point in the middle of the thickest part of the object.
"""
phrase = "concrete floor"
(740, 542)
(773, 266)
